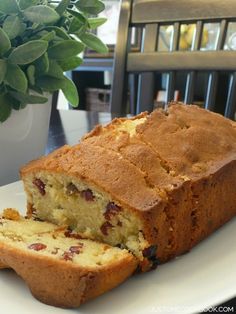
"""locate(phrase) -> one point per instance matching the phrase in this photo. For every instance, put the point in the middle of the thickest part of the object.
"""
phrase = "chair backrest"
(151, 16)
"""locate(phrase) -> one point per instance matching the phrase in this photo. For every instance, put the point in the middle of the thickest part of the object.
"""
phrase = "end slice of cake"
(60, 267)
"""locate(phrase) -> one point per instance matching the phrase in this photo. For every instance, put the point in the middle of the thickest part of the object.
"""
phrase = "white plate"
(202, 278)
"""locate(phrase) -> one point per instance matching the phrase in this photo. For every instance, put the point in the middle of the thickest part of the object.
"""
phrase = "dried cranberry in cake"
(67, 256)
(111, 210)
(150, 262)
(87, 195)
(76, 248)
(150, 251)
(37, 246)
(71, 189)
(105, 227)
(67, 233)
(40, 185)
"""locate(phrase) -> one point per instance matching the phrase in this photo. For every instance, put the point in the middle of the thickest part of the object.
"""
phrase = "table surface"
(68, 126)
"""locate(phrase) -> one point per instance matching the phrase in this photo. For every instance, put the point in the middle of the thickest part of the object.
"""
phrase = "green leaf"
(5, 108)
(42, 65)
(78, 15)
(80, 31)
(29, 99)
(70, 91)
(93, 42)
(24, 4)
(5, 43)
(70, 64)
(16, 78)
(49, 36)
(55, 70)
(9, 6)
(65, 49)
(96, 22)
(63, 21)
(48, 83)
(90, 6)
(60, 9)
(28, 52)
(37, 89)
(15, 104)
(31, 74)
(76, 25)
(41, 14)
(3, 70)
(13, 26)
(59, 31)
(67, 86)
(79, 23)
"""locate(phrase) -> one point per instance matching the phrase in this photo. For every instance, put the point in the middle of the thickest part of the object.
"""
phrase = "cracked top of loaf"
(139, 160)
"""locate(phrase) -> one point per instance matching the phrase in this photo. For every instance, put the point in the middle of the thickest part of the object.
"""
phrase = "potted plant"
(39, 41)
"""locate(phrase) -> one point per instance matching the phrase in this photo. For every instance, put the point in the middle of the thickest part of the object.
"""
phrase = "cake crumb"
(11, 214)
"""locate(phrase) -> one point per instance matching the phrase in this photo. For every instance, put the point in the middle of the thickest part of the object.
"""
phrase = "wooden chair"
(151, 16)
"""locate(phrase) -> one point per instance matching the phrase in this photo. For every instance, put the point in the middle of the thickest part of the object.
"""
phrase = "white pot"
(23, 137)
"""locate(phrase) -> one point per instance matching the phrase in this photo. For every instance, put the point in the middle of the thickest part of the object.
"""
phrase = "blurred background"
(94, 77)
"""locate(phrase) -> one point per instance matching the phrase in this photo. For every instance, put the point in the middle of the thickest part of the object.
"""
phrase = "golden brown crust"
(193, 141)
(62, 283)
(205, 152)
(137, 153)
(99, 129)
(203, 206)
(114, 175)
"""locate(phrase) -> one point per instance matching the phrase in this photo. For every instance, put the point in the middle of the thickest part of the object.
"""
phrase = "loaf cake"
(60, 268)
(155, 184)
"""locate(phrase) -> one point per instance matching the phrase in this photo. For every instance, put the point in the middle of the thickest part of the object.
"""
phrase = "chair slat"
(120, 76)
(170, 83)
(170, 86)
(175, 37)
(182, 60)
(211, 90)
(191, 77)
(214, 77)
(149, 11)
(146, 80)
(140, 13)
(230, 108)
